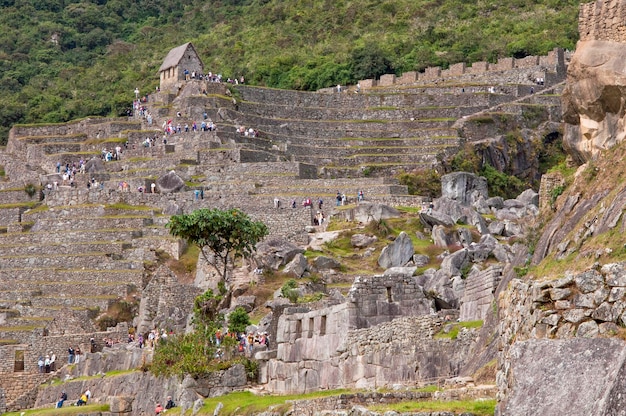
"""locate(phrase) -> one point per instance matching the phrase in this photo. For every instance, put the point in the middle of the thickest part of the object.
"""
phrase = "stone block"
(387, 80)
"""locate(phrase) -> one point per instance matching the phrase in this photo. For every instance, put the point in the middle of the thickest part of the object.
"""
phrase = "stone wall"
(602, 20)
(383, 335)
(143, 389)
(576, 306)
(402, 351)
(478, 299)
(553, 62)
(379, 299)
(549, 181)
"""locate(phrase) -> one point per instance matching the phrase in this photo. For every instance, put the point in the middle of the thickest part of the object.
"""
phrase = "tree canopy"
(223, 234)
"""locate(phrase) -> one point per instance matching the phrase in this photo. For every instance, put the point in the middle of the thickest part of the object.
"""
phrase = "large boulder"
(463, 187)
(170, 182)
(593, 99)
(366, 212)
(575, 377)
(362, 240)
(274, 253)
(398, 253)
(297, 266)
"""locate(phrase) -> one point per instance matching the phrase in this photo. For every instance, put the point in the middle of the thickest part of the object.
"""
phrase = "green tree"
(238, 320)
(222, 236)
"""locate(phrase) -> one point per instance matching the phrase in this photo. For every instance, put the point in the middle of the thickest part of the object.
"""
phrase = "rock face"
(170, 182)
(593, 100)
(397, 253)
(587, 374)
(559, 325)
(463, 187)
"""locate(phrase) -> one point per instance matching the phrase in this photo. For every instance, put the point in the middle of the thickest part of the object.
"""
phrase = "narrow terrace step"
(20, 143)
(294, 131)
(432, 109)
(93, 276)
(104, 261)
(70, 288)
(36, 248)
(94, 223)
(337, 152)
(416, 98)
(75, 236)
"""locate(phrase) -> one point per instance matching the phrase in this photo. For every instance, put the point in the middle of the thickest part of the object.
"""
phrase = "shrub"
(30, 189)
(425, 182)
(238, 320)
(289, 290)
(500, 183)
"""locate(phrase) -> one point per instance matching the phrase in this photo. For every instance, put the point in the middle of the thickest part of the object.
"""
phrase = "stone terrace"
(67, 253)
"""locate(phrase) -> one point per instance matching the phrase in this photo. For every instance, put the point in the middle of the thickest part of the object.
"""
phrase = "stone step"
(59, 275)
(67, 289)
(100, 261)
(93, 223)
(76, 236)
(379, 110)
(342, 153)
(55, 301)
(36, 248)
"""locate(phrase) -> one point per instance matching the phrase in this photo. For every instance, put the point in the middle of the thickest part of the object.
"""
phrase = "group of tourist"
(82, 400)
(247, 132)
(168, 405)
(48, 363)
(210, 77)
(73, 355)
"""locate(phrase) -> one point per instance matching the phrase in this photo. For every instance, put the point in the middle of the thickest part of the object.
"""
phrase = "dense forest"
(66, 59)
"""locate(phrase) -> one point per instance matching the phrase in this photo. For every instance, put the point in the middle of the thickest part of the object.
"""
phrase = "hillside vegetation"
(66, 59)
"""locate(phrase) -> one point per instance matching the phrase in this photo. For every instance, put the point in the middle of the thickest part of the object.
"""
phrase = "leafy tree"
(238, 320)
(426, 182)
(369, 61)
(220, 235)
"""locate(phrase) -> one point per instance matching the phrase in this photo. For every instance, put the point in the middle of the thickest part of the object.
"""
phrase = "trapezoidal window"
(311, 326)
(389, 297)
(298, 328)
(323, 325)
(19, 361)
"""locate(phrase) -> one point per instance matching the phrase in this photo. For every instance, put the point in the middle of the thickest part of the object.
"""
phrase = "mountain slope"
(62, 60)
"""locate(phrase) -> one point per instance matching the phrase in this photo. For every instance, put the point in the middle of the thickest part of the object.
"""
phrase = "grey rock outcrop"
(170, 182)
(592, 108)
(362, 240)
(366, 212)
(297, 266)
(463, 187)
(325, 263)
(543, 367)
(398, 253)
(274, 253)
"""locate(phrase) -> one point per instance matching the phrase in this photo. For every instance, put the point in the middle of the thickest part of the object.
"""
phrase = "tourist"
(53, 364)
(159, 409)
(40, 364)
(77, 355)
(338, 198)
(170, 403)
(70, 355)
(62, 400)
(82, 400)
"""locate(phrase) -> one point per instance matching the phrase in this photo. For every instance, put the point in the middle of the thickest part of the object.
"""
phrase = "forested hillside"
(66, 59)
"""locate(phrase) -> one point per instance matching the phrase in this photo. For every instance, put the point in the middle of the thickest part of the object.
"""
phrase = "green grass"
(66, 410)
(477, 407)
(454, 331)
(246, 404)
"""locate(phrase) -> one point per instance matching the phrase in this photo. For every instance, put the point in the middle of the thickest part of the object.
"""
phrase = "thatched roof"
(175, 55)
